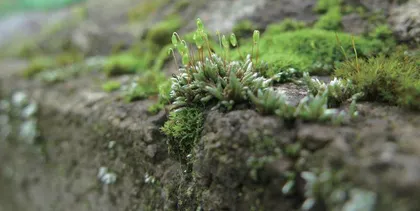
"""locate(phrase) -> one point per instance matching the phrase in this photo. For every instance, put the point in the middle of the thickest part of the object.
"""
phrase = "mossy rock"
(394, 79)
(121, 64)
(183, 130)
(310, 49)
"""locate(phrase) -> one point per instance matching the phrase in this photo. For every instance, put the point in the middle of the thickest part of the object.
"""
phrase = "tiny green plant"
(183, 130)
(111, 86)
(394, 79)
(213, 78)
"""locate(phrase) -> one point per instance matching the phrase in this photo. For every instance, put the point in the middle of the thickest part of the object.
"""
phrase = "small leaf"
(225, 42)
(256, 36)
(233, 40)
(175, 39)
(200, 25)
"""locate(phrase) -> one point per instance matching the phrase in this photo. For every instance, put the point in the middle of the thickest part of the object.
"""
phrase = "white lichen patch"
(28, 131)
(106, 177)
(111, 144)
(360, 200)
(148, 179)
(20, 99)
(30, 110)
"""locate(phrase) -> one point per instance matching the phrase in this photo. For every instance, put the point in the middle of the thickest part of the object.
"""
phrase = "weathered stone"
(405, 21)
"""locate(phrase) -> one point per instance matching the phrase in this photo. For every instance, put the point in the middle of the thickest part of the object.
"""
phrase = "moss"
(330, 20)
(285, 26)
(183, 129)
(164, 89)
(382, 32)
(111, 86)
(394, 79)
(324, 5)
(146, 85)
(152, 52)
(314, 50)
(181, 5)
(243, 28)
(64, 73)
(40, 63)
(37, 65)
(124, 63)
(160, 34)
(144, 9)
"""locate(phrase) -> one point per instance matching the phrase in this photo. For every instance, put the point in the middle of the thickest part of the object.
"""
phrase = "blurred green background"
(11, 6)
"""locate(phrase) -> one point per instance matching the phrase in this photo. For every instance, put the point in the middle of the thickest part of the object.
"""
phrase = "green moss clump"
(382, 32)
(111, 86)
(394, 79)
(313, 50)
(164, 89)
(243, 28)
(144, 9)
(152, 52)
(183, 129)
(40, 63)
(123, 63)
(160, 33)
(37, 65)
(285, 26)
(324, 5)
(330, 20)
(181, 5)
(147, 84)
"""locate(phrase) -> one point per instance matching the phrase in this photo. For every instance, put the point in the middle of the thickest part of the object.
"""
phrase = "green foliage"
(144, 9)
(243, 28)
(313, 50)
(41, 63)
(152, 52)
(111, 86)
(310, 108)
(163, 97)
(160, 33)
(206, 80)
(394, 79)
(183, 129)
(381, 32)
(339, 90)
(325, 5)
(268, 101)
(37, 65)
(70, 71)
(144, 85)
(214, 80)
(285, 26)
(124, 63)
(315, 108)
(330, 20)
